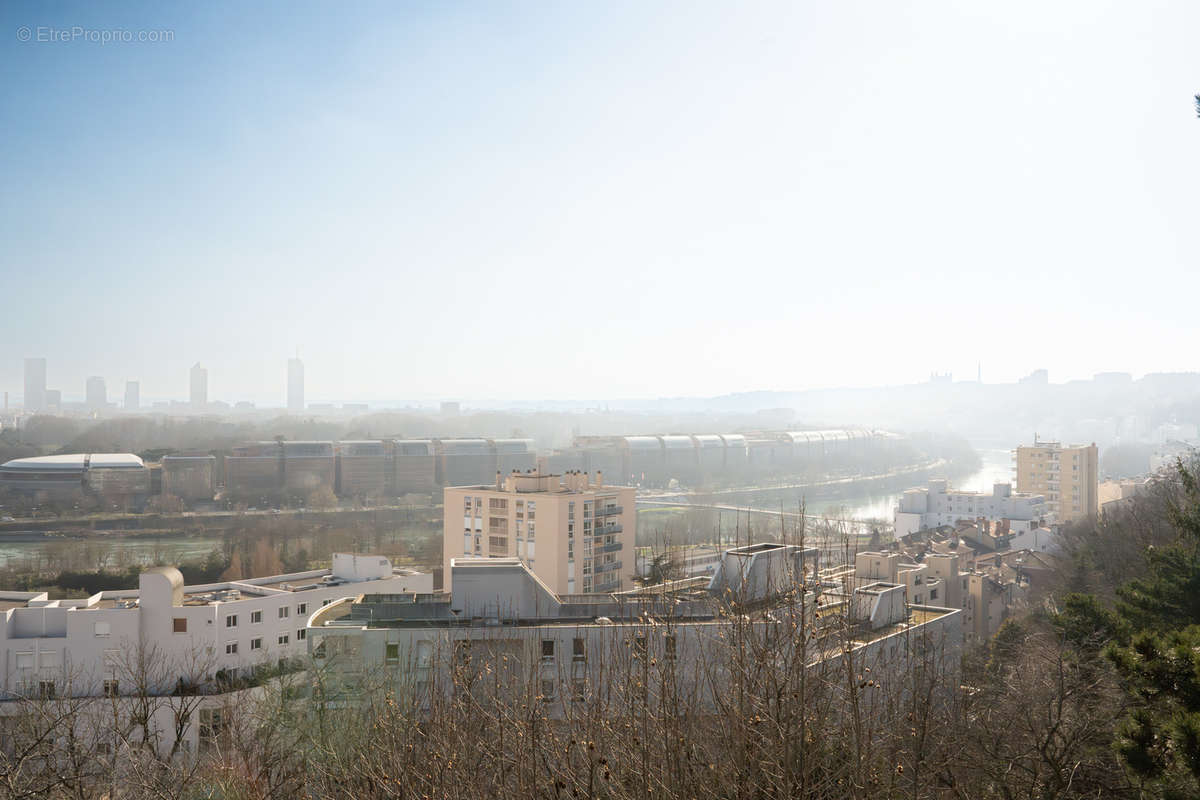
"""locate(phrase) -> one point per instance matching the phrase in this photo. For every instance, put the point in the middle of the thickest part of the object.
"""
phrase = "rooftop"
(75, 462)
(763, 581)
(221, 592)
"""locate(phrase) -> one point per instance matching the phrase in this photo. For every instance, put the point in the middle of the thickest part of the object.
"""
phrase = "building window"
(548, 689)
(301, 635)
(46, 690)
(112, 688)
(547, 649)
(283, 638)
(578, 651)
(933, 594)
(256, 644)
(669, 647)
(302, 608)
(103, 628)
(231, 649)
(231, 621)
(211, 727)
(284, 611)
(391, 653)
(180, 625)
(579, 690)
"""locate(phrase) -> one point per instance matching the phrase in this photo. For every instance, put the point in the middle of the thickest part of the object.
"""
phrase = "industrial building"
(254, 469)
(189, 477)
(655, 460)
(109, 475)
(393, 467)
(364, 469)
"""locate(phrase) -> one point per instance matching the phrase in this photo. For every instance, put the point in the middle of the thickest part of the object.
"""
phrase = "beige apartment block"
(1068, 477)
(575, 534)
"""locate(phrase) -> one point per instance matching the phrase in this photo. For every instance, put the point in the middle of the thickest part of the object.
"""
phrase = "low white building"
(500, 620)
(164, 632)
(938, 504)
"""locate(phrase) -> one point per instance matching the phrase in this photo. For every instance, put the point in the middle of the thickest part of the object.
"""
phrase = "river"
(23, 551)
(996, 467)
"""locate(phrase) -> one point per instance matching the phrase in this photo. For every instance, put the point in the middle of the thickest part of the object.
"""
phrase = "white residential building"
(190, 633)
(938, 504)
(500, 618)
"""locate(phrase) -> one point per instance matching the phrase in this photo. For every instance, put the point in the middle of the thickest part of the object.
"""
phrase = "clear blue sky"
(598, 200)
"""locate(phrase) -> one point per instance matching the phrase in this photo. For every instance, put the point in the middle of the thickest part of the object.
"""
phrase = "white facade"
(567, 648)
(188, 632)
(1039, 540)
(938, 504)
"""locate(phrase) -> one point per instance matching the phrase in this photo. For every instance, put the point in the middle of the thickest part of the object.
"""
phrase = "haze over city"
(721, 399)
(513, 202)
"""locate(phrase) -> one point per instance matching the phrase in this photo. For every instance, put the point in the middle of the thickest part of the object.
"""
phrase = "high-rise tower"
(295, 386)
(199, 393)
(35, 384)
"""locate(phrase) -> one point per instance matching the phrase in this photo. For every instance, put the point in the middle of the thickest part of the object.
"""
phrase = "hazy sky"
(598, 200)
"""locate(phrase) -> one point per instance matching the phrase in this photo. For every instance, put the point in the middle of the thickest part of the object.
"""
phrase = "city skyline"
(292, 397)
(888, 186)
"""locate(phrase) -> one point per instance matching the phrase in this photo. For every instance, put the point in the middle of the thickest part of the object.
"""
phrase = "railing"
(610, 566)
(614, 527)
(609, 510)
(608, 548)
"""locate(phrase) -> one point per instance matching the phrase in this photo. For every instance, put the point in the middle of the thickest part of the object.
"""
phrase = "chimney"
(499, 483)
(599, 478)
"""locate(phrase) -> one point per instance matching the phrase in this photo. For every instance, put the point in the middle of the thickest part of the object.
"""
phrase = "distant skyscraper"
(295, 398)
(199, 395)
(53, 400)
(97, 393)
(133, 393)
(35, 384)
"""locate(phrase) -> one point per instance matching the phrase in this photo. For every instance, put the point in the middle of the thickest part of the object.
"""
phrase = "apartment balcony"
(609, 567)
(609, 586)
(609, 511)
(608, 548)
(614, 527)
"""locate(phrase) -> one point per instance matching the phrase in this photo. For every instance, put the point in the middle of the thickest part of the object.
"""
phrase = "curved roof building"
(123, 473)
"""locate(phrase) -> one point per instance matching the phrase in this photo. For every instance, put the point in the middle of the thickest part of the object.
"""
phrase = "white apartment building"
(576, 534)
(938, 504)
(502, 621)
(192, 633)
